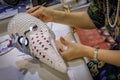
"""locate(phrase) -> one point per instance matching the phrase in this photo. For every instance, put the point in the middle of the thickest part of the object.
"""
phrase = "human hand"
(59, 46)
(42, 13)
(73, 51)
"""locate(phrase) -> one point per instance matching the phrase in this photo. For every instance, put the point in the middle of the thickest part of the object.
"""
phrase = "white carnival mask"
(31, 36)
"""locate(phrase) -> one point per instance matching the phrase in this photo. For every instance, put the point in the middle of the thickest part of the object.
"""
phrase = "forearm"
(108, 56)
(77, 19)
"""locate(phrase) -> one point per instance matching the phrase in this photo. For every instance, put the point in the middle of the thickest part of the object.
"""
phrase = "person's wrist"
(88, 51)
(48, 14)
(92, 53)
(58, 16)
(53, 15)
(95, 55)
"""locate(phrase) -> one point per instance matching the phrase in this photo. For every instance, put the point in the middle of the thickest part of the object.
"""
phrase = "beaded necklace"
(108, 12)
(112, 23)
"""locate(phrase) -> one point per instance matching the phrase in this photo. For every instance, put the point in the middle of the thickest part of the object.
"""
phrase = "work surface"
(15, 65)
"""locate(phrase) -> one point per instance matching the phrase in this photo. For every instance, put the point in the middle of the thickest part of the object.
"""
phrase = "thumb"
(64, 42)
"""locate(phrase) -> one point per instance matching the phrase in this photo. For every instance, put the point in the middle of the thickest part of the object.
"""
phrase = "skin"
(76, 19)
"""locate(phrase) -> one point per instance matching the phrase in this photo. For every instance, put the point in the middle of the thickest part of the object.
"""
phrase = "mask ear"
(22, 40)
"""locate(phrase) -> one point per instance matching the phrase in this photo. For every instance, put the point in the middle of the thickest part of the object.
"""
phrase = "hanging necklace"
(112, 22)
(108, 12)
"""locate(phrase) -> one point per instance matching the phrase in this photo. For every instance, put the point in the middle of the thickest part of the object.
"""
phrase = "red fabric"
(92, 38)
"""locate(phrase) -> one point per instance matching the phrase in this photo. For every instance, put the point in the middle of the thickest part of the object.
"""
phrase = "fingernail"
(62, 39)
(60, 50)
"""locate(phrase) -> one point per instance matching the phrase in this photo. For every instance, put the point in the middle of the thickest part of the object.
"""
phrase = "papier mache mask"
(32, 36)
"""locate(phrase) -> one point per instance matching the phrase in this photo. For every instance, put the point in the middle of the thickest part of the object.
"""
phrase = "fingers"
(33, 9)
(59, 46)
(37, 13)
(63, 41)
(65, 53)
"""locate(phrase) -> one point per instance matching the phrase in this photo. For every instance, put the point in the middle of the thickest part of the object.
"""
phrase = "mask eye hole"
(34, 28)
(23, 40)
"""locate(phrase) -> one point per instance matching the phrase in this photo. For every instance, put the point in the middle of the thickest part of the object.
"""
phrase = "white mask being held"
(32, 36)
